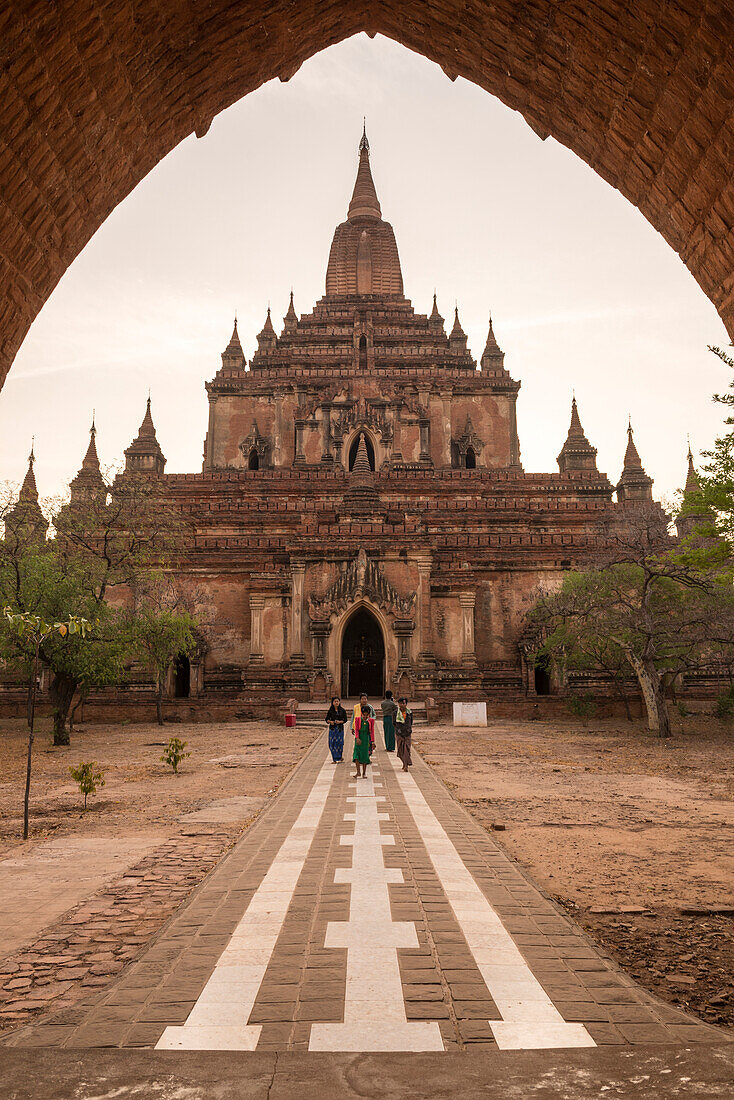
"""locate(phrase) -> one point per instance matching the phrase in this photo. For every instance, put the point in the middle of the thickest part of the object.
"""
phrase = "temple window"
(471, 459)
(363, 356)
(253, 462)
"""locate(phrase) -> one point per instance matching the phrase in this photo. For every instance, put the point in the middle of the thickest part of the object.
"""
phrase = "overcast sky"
(584, 293)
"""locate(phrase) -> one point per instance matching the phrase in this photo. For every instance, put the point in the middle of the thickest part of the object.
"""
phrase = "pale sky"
(584, 293)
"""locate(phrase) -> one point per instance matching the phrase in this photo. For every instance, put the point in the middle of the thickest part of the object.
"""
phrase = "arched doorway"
(182, 677)
(253, 462)
(363, 656)
(542, 676)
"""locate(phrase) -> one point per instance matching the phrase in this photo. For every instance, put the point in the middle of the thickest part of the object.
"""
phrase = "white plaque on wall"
(470, 714)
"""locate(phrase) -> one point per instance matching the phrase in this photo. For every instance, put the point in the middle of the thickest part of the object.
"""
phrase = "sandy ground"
(232, 771)
(606, 816)
(609, 817)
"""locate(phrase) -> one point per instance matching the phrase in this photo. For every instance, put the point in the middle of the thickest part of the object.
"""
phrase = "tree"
(645, 602)
(35, 631)
(714, 503)
(101, 547)
(161, 636)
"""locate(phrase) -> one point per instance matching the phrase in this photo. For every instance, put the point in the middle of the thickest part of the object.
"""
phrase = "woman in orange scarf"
(361, 728)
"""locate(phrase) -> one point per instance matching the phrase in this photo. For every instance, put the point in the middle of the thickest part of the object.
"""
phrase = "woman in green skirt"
(361, 728)
(389, 710)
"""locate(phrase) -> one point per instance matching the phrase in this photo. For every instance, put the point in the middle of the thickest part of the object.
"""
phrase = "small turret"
(144, 455)
(694, 517)
(290, 321)
(576, 453)
(266, 338)
(435, 321)
(361, 497)
(89, 484)
(233, 357)
(457, 337)
(634, 484)
(25, 522)
(493, 357)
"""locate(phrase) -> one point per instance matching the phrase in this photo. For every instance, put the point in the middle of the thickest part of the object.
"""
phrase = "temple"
(363, 519)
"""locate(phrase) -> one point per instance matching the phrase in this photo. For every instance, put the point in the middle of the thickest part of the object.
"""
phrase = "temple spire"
(266, 338)
(365, 203)
(692, 483)
(290, 321)
(25, 522)
(29, 490)
(144, 455)
(233, 357)
(576, 453)
(89, 482)
(493, 357)
(457, 335)
(634, 484)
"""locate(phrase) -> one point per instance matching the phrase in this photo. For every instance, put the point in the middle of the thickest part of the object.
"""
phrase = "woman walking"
(361, 728)
(404, 732)
(336, 716)
(389, 710)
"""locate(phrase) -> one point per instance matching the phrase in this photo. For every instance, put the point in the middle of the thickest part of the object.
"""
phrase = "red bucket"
(290, 719)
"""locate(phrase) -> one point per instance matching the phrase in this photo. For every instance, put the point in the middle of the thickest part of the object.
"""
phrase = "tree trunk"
(62, 692)
(159, 699)
(653, 694)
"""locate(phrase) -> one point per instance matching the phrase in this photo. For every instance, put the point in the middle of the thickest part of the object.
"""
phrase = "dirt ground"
(633, 835)
(141, 794)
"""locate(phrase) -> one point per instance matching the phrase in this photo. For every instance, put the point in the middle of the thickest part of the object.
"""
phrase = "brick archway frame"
(94, 94)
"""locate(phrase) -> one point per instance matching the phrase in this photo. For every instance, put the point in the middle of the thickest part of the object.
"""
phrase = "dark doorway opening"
(363, 353)
(471, 459)
(370, 451)
(363, 656)
(253, 462)
(182, 674)
(542, 677)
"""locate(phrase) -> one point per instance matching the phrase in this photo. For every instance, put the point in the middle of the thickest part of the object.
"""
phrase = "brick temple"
(363, 519)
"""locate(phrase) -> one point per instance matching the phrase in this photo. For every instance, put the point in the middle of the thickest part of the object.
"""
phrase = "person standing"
(404, 732)
(336, 716)
(361, 729)
(389, 710)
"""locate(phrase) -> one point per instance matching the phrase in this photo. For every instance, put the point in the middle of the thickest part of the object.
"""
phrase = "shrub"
(724, 706)
(174, 753)
(89, 776)
(583, 706)
(683, 710)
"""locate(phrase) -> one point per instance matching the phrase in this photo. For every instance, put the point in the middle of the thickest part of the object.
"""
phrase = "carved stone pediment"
(363, 578)
(469, 439)
(258, 443)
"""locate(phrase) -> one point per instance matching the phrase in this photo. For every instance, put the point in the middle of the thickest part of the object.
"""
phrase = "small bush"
(724, 706)
(583, 706)
(89, 776)
(683, 710)
(174, 753)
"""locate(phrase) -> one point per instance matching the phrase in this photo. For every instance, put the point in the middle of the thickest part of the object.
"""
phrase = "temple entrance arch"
(363, 656)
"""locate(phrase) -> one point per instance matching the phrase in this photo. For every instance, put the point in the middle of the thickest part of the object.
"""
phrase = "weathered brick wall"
(95, 94)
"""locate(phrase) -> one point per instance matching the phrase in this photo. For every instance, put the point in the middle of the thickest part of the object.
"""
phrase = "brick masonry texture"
(95, 94)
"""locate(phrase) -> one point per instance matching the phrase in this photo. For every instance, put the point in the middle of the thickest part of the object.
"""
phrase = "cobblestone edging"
(90, 944)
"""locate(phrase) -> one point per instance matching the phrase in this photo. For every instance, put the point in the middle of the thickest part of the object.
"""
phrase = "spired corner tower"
(362, 519)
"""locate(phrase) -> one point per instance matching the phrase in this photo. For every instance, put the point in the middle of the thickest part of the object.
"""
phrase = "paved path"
(368, 916)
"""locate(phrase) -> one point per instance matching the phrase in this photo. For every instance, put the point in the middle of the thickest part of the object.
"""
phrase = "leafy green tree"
(645, 603)
(175, 753)
(160, 636)
(713, 504)
(34, 632)
(101, 548)
(88, 775)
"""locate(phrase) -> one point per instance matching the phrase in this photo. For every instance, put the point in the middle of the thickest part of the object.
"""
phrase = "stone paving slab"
(640, 1073)
(369, 916)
